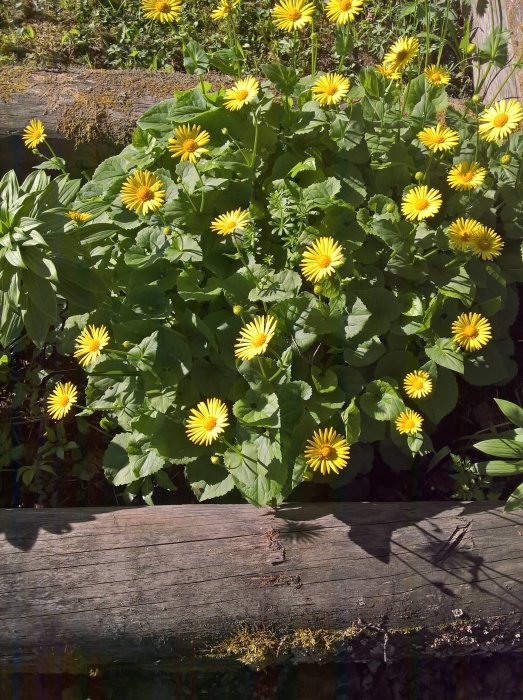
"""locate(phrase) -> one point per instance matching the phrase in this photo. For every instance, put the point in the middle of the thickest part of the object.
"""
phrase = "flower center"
(209, 423)
(470, 331)
(327, 452)
(189, 145)
(483, 243)
(94, 345)
(293, 15)
(324, 261)
(259, 340)
(162, 6)
(331, 90)
(242, 94)
(144, 193)
(467, 177)
(401, 55)
(418, 384)
(63, 401)
(345, 5)
(409, 424)
(421, 204)
(500, 120)
(438, 138)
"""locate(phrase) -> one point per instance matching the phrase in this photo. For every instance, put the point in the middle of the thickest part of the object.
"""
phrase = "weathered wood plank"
(506, 14)
(167, 584)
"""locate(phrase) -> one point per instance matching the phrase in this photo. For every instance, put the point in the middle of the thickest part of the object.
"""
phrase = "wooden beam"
(185, 585)
(506, 14)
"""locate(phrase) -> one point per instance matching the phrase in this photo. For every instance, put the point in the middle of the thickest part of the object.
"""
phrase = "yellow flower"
(440, 138)
(61, 400)
(228, 223)
(78, 216)
(461, 230)
(224, 8)
(343, 11)
(500, 120)
(34, 133)
(330, 89)
(402, 52)
(409, 422)
(437, 75)
(89, 344)
(162, 10)
(417, 384)
(242, 92)
(466, 176)
(189, 142)
(321, 258)
(421, 203)
(472, 331)
(292, 14)
(143, 191)
(207, 421)
(485, 243)
(255, 337)
(327, 451)
(388, 71)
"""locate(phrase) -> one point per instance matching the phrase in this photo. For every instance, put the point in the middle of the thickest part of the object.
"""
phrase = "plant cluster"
(277, 280)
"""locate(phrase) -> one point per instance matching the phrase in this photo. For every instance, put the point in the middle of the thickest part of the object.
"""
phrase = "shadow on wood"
(192, 586)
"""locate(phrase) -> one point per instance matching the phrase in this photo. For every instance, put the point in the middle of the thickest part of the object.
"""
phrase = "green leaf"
(324, 382)
(195, 60)
(498, 468)
(352, 420)
(502, 447)
(512, 411)
(258, 471)
(515, 499)
(381, 401)
(258, 410)
(495, 47)
(282, 77)
(444, 353)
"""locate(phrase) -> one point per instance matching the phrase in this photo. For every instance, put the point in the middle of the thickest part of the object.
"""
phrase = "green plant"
(507, 445)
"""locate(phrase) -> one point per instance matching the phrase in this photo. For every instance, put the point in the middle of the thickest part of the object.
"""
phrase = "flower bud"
(505, 160)
(127, 344)
(476, 98)
(167, 230)
(225, 131)
(237, 309)
(215, 459)
(317, 289)
(471, 48)
(390, 208)
(419, 176)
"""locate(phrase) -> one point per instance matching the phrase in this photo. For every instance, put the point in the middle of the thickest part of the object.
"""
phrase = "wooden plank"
(168, 585)
(507, 14)
(88, 114)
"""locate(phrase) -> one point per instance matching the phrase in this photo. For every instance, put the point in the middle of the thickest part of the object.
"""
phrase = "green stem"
(53, 154)
(509, 76)
(427, 32)
(443, 32)
(255, 144)
(314, 50)
(202, 201)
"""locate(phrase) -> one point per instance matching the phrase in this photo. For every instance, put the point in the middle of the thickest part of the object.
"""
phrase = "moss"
(12, 81)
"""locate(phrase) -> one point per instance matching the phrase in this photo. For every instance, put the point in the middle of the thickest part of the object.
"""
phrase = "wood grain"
(507, 14)
(165, 584)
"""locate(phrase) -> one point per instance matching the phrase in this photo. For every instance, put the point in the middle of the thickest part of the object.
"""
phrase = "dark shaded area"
(460, 678)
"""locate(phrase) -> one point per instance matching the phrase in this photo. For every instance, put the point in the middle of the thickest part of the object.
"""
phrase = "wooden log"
(506, 14)
(185, 586)
(88, 114)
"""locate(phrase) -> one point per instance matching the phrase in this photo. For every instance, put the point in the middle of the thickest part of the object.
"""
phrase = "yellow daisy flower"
(189, 142)
(387, 70)
(321, 258)
(439, 138)
(207, 421)
(466, 176)
(223, 10)
(254, 338)
(500, 120)
(243, 91)
(402, 52)
(78, 216)
(421, 203)
(34, 134)
(437, 75)
(417, 384)
(228, 223)
(343, 11)
(471, 331)
(461, 230)
(162, 10)
(327, 451)
(330, 89)
(61, 400)
(143, 192)
(290, 15)
(409, 422)
(485, 243)
(90, 343)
